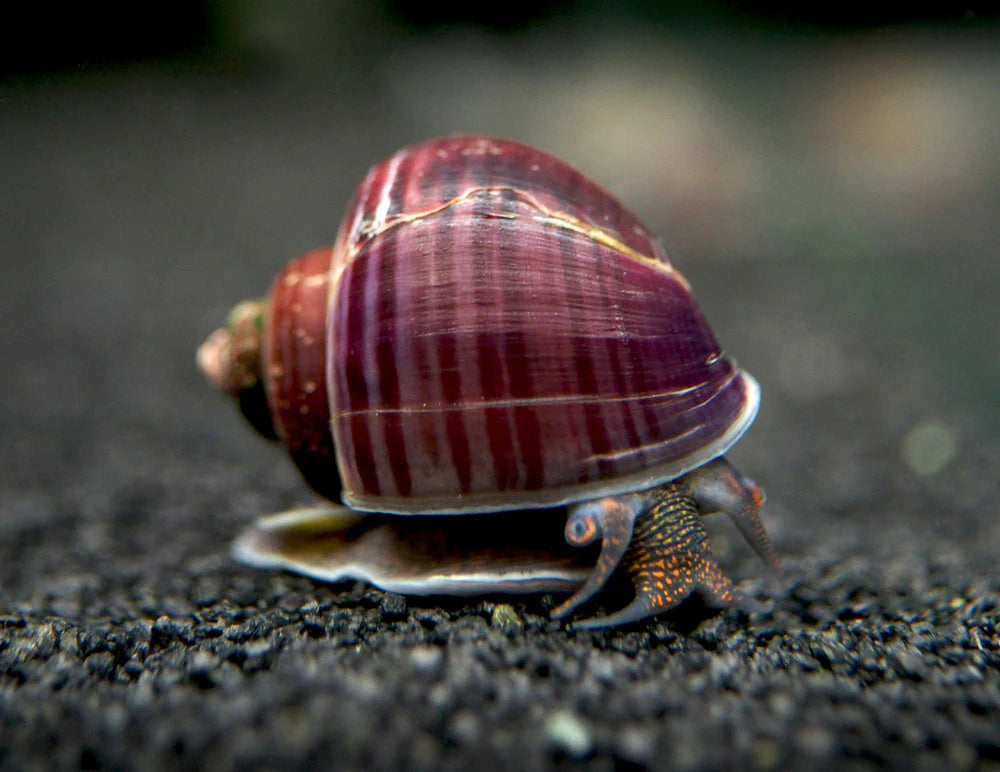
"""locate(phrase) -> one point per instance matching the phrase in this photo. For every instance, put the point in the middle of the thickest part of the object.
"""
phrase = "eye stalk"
(611, 520)
(230, 359)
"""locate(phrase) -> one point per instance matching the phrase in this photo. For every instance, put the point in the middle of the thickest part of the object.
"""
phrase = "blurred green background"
(37, 39)
(827, 176)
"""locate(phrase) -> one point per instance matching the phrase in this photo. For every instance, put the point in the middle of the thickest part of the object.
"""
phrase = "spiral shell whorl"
(502, 333)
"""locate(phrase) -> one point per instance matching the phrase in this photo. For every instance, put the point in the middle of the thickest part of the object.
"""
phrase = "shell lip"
(562, 496)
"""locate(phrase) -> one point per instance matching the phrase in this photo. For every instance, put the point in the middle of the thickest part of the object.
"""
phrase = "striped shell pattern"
(492, 331)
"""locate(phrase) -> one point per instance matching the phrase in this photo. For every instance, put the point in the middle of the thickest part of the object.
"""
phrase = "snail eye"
(581, 530)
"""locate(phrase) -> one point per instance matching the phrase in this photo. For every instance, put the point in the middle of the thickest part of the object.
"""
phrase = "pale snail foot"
(418, 555)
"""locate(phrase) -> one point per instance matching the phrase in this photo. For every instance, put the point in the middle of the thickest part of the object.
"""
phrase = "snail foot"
(669, 557)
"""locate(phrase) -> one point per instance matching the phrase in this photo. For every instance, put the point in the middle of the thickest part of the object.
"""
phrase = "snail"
(494, 366)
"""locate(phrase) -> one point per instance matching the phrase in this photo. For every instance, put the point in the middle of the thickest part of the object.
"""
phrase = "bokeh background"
(828, 178)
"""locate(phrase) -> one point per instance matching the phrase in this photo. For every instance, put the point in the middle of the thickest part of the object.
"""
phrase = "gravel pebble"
(568, 734)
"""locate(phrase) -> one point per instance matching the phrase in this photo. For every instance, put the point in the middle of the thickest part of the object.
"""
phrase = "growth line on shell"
(643, 448)
(520, 402)
(381, 224)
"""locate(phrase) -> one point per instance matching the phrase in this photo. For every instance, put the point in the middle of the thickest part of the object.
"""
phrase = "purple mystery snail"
(499, 350)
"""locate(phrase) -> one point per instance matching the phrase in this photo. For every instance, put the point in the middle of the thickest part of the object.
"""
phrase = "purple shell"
(503, 334)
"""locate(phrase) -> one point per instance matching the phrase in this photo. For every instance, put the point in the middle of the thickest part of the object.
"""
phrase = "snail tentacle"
(611, 519)
(668, 558)
(718, 487)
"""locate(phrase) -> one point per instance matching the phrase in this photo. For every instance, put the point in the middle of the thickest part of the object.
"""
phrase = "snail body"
(493, 333)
